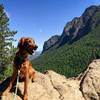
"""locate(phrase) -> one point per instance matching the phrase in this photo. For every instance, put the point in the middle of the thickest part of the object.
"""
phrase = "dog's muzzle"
(35, 47)
(31, 49)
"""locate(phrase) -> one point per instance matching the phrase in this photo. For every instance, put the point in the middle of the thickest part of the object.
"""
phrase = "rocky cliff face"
(79, 26)
(53, 86)
(49, 43)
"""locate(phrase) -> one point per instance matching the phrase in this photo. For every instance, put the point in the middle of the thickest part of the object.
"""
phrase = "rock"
(67, 88)
(72, 31)
(50, 42)
(53, 86)
(90, 84)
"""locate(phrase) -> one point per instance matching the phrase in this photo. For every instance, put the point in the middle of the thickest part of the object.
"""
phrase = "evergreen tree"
(6, 40)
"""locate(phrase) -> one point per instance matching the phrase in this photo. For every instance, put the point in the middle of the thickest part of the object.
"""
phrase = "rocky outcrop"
(53, 86)
(49, 43)
(90, 83)
(78, 27)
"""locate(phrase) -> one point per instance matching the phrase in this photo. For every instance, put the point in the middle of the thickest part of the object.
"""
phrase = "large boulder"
(90, 83)
(53, 86)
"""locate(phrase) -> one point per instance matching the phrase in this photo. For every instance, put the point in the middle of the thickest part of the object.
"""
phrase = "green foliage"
(73, 59)
(6, 73)
(6, 41)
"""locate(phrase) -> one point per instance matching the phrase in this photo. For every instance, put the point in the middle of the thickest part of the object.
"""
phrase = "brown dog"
(26, 46)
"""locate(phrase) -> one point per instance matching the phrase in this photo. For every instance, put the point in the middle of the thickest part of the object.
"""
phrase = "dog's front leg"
(26, 87)
(11, 83)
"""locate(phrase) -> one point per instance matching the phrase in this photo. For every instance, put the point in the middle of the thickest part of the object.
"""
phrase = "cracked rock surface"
(53, 86)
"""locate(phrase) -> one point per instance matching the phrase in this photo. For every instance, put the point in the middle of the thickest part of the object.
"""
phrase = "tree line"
(7, 49)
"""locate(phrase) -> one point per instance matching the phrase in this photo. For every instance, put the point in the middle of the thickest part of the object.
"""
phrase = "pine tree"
(6, 40)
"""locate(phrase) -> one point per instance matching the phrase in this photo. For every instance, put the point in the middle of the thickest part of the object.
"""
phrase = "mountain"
(80, 26)
(51, 42)
(53, 86)
(77, 46)
(77, 28)
(36, 54)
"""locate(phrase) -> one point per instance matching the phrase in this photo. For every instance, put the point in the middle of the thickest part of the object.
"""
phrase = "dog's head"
(27, 44)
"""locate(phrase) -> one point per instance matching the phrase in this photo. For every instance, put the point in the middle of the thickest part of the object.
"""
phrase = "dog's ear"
(21, 42)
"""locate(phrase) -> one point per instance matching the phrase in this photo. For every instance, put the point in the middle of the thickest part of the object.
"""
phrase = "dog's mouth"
(32, 50)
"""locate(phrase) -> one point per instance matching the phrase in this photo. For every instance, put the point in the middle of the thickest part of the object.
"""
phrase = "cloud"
(8, 15)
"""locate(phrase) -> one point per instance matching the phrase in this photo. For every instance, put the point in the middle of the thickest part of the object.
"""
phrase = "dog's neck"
(23, 54)
(20, 58)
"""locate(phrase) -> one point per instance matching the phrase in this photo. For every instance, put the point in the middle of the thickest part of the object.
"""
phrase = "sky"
(41, 19)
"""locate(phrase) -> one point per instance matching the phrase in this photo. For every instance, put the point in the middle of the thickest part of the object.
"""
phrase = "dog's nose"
(35, 47)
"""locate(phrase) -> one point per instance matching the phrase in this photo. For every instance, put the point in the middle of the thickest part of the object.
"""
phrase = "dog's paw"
(25, 97)
(5, 93)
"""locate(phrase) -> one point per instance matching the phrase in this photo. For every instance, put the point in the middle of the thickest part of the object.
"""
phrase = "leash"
(16, 85)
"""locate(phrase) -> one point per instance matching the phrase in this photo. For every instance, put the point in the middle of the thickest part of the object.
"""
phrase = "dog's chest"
(20, 61)
(24, 69)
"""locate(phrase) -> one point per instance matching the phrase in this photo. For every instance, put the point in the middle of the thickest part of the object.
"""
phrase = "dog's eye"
(29, 41)
(26, 44)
